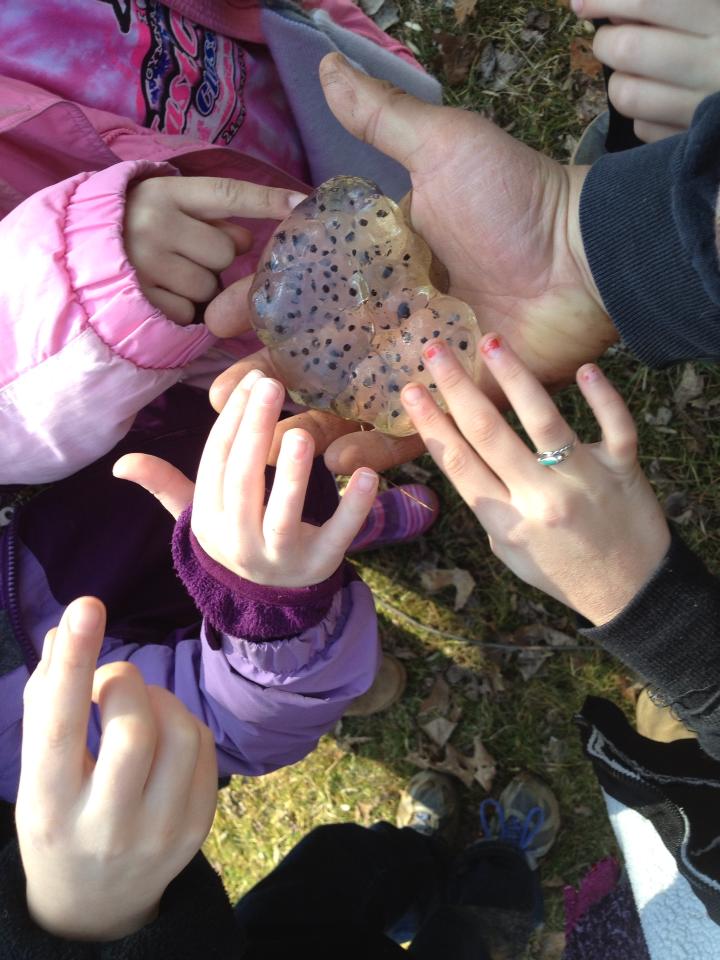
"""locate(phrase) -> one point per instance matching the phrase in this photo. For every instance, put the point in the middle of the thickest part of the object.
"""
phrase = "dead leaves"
(479, 767)
(582, 58)
(434, 580)
(463, 9)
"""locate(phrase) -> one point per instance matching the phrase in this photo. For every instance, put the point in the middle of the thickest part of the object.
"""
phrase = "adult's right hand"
(503, 218)
(101, 840)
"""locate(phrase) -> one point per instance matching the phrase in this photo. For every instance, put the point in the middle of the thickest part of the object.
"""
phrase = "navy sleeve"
(649, 222)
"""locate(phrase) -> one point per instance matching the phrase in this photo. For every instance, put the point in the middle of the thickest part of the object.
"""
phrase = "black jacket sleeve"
(195, 922)
(649, 222)
(670, 635)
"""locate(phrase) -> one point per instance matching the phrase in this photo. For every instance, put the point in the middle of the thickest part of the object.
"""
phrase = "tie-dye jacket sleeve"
(650, 220)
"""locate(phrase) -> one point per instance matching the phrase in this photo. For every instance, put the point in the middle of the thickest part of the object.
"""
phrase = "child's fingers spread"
(694, 16)
(477, 418)
(283, 514)
(219, 197)
(56, 714)
(160, 478)
(613, 417)
(338, 532)
(210, 480)
(528, 398)
(244, 487)
(462, 466)
(203, 243)
(128, 741)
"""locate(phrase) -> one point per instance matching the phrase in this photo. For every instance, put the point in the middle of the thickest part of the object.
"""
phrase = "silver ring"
(551, 458)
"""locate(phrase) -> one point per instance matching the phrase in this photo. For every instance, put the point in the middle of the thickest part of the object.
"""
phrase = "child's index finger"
(56, 720)
(207, 198)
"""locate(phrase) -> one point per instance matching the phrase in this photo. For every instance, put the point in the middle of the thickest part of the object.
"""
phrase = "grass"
(357, 772)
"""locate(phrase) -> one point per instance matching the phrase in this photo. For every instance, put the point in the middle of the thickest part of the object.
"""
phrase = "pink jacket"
(83, 351)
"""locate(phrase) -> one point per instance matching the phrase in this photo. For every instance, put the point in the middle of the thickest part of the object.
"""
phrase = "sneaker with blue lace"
(527, 815)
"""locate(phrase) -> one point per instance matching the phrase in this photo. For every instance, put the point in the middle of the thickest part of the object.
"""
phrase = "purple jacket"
(269, 671)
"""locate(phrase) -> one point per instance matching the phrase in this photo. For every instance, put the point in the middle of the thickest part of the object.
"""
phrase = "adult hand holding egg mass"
(344, 301)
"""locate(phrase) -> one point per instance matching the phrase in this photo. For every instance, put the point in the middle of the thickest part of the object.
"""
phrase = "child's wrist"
(242, 608)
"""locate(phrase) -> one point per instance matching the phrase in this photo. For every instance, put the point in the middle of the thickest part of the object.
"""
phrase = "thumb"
(158, 477)
(387, 118)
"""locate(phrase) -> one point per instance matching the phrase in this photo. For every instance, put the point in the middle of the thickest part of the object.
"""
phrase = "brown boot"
(658, 723)
(387, 688)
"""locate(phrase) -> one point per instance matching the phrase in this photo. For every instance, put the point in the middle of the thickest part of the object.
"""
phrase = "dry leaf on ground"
(439, 730)
(484, 764)
(690, 387)
(529, 662)
(434, 580)
(438, 699)
(463, 9)
(582, 58)
(456, 57)
(480, 767)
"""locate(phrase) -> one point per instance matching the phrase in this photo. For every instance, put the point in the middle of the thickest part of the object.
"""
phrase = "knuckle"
(225, 190)
(549, 433)
(455, 461)
(484, 430)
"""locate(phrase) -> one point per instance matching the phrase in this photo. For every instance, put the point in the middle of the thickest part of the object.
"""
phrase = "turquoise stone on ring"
(551, 458)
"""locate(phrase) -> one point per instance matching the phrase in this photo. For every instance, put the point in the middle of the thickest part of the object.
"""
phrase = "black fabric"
(195, 922)
(669, 634)
(343, 886)
(333, 896)
(674, 785)
(648, 221)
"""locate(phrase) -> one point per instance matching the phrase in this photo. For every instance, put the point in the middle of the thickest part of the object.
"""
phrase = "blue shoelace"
(520, 833)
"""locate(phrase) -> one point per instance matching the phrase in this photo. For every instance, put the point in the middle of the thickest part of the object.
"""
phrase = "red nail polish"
(589, 374)
(491, 346)
(434, 350)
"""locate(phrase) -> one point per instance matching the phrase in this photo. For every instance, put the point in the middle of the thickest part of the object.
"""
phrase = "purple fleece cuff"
(244, 609)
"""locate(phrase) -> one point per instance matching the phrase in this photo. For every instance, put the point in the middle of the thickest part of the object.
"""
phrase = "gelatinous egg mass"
(344, 301)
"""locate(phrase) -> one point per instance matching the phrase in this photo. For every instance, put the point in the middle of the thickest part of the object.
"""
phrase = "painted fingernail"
(84, 617)
(366, 481)
(266, 391)
(491, 346)
(412, 395)
(298, 446)
(589, 373)
(436, 351)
